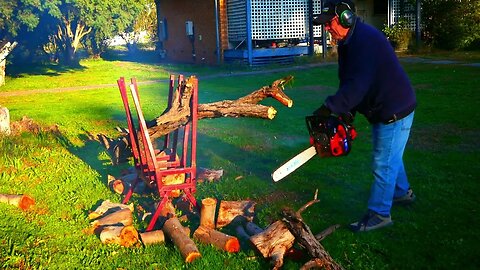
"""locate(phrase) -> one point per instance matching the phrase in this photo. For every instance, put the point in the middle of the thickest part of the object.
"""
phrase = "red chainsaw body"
(331, 136)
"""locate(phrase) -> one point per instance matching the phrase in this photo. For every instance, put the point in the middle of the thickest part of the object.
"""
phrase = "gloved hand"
(347, 118)
(322, 111)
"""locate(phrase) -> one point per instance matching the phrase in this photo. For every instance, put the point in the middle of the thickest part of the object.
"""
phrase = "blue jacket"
(372, 81)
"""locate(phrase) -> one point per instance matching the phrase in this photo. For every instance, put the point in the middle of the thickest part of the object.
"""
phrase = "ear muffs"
(347, 16)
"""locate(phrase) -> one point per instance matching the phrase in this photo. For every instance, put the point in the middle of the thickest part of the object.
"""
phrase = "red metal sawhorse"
(153, 168)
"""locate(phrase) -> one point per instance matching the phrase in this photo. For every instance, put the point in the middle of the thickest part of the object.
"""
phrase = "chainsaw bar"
(294, 163)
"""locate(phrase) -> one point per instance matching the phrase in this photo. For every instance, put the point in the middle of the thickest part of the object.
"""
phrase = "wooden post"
(207, 213)
(175, 231)
(217, 239)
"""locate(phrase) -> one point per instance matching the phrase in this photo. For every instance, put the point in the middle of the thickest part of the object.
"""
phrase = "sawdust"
(27, 124)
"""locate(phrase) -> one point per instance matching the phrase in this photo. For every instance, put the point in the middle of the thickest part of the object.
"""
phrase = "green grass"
(66, 173)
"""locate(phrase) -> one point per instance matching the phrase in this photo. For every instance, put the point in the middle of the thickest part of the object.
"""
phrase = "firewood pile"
(114, 224)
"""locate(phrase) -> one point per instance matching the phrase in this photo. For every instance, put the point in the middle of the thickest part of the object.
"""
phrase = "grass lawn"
(66, 172)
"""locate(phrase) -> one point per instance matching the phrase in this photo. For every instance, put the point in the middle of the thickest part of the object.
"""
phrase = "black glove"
(347, 118)
(322, 111)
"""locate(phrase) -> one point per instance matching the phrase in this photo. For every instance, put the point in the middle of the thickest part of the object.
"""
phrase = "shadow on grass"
(50, 69)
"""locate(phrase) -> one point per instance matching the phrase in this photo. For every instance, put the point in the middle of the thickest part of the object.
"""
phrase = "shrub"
(399, 34)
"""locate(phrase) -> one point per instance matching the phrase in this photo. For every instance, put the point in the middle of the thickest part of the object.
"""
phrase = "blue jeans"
(391, 181)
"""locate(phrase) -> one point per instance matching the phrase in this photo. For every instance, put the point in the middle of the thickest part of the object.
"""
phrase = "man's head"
(343, 9)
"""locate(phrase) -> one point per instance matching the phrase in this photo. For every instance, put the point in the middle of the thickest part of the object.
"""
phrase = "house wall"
(177, 45)
(366, 11)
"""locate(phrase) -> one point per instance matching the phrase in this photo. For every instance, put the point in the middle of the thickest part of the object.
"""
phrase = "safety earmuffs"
(346, 16)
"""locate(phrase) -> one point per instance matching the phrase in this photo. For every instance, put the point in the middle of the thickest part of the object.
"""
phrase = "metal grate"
(402, 9)
(271, 19)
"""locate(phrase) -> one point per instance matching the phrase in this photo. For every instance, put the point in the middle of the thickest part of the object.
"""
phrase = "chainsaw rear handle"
(330, 135)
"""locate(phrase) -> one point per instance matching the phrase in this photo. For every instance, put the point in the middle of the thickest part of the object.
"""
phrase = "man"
(373, 83)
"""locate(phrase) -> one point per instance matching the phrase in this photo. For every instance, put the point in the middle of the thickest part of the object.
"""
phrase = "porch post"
(249, 32)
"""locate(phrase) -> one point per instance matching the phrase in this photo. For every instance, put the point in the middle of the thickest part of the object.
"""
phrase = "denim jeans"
(390, 178)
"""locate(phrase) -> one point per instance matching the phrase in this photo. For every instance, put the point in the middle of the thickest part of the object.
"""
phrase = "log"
(209, 175)
(125, 236)
(121, 217)
(303, 235)
(152, 237)
(108, 207)
(230, 209)
(274, 242)
(207, 213)
(218, 239)
(175, 231)
(178, 114)
(23, 202)
(253, 228)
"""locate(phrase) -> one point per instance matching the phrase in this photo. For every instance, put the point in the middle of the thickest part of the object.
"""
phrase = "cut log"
(274, 242)
(209, 175)
(218, 239)
(152, 237)
(207, 213)
(175, 231)
(125, 236)
(23, 202)
(121, 217)
(123, 184)
(108, 207)
(230, 209)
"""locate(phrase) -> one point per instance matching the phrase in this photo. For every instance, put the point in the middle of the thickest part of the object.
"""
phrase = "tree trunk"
(175, 231)
(4, 121)
(217, 239)
(229, 210)
(5, 50)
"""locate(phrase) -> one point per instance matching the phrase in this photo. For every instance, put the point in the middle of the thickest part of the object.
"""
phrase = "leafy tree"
(452, 24)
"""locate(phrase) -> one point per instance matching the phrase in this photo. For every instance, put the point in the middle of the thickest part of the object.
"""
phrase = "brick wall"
(178, 46)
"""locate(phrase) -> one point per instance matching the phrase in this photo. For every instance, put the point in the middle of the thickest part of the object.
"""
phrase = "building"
(256, 31)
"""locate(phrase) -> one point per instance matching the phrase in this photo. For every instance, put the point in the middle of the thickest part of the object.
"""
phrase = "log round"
(218, 239)
(207, 213)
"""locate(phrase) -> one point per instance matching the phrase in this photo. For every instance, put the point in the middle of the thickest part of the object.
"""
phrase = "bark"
(125, 236)
(5, 50)
(121, 217)
(229, 210)
(23, 202)
(175, 231)
(152, 237)
(108, 207)
(178, 114)
(207, 213)
(218, 239)
(274, 242)
(305, 238)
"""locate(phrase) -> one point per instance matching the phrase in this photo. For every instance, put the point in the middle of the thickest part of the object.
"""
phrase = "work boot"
(371, 221)
(405, 199)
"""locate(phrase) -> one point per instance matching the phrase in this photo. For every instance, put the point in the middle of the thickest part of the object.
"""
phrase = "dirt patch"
(29, 125)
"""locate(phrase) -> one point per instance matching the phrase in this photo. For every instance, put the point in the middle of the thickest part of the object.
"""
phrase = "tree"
(452, 24)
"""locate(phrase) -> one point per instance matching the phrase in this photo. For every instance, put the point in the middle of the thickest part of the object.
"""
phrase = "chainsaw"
(330, 136)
